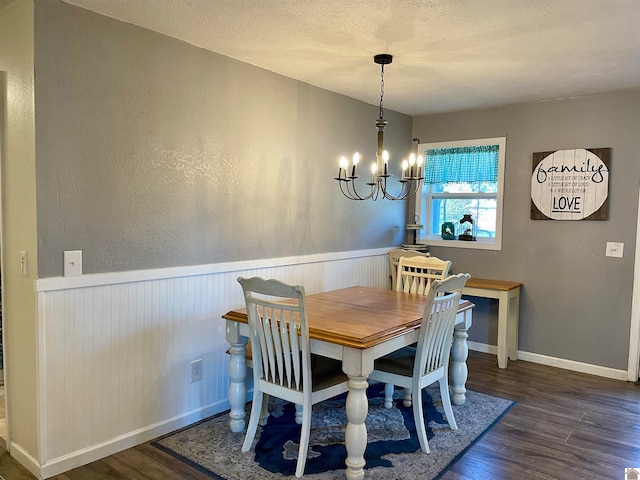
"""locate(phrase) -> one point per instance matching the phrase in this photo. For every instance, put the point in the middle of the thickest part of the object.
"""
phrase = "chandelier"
(411, 168)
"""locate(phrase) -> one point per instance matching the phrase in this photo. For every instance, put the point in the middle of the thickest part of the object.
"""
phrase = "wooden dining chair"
(415, 274)
(282, 363)
(394, 258)
(417, 367)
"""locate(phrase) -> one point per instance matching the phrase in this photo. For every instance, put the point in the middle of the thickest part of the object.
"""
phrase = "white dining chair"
(394, 258)
(415, 274)
(418, 367)
(282, 363)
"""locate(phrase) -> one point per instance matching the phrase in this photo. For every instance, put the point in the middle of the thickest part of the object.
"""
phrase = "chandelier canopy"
(411, 168)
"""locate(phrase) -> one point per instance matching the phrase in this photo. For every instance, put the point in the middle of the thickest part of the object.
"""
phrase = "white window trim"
(480, 243)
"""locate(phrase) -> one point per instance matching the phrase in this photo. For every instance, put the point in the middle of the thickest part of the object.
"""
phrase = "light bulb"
(374, 170)
(356, 159)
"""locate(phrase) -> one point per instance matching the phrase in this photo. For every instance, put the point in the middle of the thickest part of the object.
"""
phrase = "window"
(465, 177)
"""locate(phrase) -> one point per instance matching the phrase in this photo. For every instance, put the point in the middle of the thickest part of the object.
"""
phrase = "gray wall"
(576, 302)
(154, 153)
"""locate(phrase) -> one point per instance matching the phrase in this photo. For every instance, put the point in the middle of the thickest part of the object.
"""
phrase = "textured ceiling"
(448, 54)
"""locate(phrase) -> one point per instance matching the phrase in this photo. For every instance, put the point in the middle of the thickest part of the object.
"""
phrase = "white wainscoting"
(115, 348)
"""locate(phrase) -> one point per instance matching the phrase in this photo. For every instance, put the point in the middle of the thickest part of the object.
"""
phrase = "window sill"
(477, 245)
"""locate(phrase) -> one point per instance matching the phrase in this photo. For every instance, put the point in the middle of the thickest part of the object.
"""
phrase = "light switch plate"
(615, 249)
(72, 263)
(24, 269)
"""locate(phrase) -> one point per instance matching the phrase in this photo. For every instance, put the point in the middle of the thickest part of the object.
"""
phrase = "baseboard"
(118, 444)
(25, 459)
(482, 347)
(556, 362)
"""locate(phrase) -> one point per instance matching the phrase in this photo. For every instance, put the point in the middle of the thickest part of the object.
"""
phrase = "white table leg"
(357, 364)
(355, 437)
(459, 372)
(237, 386)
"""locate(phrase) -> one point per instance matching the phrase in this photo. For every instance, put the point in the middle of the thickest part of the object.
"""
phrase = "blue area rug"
(393, 450)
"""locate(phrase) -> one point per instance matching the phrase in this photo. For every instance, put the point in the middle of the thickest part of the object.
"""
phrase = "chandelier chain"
(381, 90)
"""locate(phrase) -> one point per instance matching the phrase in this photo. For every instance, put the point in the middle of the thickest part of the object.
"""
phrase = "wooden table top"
(487, 284)
(359, 317)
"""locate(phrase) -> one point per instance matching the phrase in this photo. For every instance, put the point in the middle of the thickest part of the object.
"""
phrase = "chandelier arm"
(408, 190)
(351, 188)
(389, 196)
(347, 193)
(414, 187)
(352, 193)
(372, 194)
(401, 196)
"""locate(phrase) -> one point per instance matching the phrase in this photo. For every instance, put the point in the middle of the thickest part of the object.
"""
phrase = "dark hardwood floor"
(566, 425)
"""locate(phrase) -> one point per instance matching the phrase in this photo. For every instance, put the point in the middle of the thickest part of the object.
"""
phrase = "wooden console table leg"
(503, 328)
(514, 322)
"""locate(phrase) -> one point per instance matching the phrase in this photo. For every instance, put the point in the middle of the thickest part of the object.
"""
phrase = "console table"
(508, 296)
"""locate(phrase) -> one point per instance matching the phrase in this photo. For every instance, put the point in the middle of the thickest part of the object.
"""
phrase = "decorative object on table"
(467, 228)
(448, 231)
(412, 235)
(570, 184)
(412, 173)
(393, 450)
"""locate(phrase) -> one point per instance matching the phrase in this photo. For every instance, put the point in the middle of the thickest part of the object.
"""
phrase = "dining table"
(355, 325)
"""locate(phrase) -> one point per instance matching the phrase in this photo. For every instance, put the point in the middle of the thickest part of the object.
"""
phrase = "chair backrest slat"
(436, 330)
(279, 331)
(296, 352)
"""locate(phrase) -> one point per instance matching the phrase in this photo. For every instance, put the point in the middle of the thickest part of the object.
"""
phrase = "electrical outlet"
(196, 370)
(614, 249)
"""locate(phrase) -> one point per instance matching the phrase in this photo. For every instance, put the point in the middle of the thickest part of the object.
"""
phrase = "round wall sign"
(569, 184)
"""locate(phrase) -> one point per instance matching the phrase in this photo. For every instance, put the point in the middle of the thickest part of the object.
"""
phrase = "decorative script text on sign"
(570, 184)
